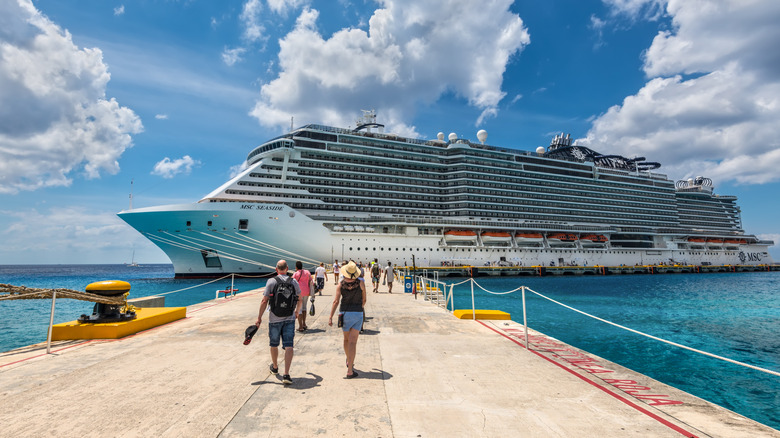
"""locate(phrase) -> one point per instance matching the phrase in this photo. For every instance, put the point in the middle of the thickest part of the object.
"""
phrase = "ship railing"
(449, 305)
(472, 223)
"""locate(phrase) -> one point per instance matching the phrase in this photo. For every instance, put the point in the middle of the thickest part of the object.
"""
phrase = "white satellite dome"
(453, 136)
(540, 150)
(440, 136)
(482, 136)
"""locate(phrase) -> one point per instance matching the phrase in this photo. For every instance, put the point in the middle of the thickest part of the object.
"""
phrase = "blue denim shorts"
(283, 329)
(352, 320)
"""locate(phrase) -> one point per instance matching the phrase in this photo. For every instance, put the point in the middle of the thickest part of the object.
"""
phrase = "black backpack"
(375, 270)
(283, 298)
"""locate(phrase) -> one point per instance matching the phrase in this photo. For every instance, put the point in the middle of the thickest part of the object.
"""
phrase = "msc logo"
(750, 257)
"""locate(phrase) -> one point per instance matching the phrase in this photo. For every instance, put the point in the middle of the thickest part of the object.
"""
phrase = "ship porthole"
(292, 214)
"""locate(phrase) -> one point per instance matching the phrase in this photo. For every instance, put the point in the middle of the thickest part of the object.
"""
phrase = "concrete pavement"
(423, 373)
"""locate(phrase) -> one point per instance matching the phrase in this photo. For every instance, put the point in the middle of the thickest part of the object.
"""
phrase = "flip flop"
(353, 375)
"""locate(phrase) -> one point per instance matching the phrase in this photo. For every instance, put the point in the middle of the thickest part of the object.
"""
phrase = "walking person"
(336, 271)
(376, 272)
(389, 277)
(305, 282)
(321, 276)
(282, 294)
(351, 300)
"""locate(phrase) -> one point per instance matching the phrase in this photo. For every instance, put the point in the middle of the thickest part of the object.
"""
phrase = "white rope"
(197, 285)
(659, 339)
(498, 293)
(464, 281)
(764, 370)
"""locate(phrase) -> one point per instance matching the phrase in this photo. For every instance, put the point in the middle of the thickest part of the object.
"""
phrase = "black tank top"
(351, 297)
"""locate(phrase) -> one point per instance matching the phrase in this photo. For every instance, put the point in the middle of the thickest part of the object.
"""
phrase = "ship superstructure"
(321, 193)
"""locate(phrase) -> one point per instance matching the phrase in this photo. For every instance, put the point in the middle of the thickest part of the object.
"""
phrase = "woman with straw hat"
(351, 299)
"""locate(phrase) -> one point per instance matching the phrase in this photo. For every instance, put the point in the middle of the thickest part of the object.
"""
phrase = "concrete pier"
(422, 373)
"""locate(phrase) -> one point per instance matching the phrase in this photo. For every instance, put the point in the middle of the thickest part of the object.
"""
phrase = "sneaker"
(274, 370)
(286, 379)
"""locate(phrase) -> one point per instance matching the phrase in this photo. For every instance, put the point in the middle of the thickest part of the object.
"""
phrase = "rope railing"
(11, 292)
(522, 289)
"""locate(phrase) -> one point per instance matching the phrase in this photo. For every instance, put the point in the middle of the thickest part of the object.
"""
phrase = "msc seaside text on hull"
(321, 193)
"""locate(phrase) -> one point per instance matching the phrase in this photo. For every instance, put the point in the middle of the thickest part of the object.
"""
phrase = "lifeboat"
(735, 241)
(696, 242)
(460, 236)
(561, 239)
(593, 240)
(714, 243)
(496, 238)
(529, 239)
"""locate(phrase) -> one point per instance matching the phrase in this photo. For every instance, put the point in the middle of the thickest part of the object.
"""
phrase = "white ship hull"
(276, 232)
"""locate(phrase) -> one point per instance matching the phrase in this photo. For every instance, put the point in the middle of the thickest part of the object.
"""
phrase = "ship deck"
(422, 373)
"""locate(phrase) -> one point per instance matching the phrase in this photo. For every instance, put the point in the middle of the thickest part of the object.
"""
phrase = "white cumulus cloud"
(412, 53)
(283, 6)
(94, 236)
(55, 118)
(168, 168)
(232, 56)
(250, 19)
(119, 10)
(712, 100)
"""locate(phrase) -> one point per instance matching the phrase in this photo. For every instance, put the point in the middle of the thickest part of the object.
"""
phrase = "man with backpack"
(282, 294)
(376, 272)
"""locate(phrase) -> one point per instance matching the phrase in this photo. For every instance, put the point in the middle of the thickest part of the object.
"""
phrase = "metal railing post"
(232, 280)
(452, 297)
(51, 322)
(473, 309)
(525, 321)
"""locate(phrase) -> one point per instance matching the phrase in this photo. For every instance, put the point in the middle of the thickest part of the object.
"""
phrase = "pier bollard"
(102, 313)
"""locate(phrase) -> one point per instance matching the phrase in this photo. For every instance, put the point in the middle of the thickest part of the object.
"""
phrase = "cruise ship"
(321, 193)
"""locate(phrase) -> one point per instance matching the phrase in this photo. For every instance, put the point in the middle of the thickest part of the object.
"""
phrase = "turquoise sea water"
(26, 322)
(735, 315)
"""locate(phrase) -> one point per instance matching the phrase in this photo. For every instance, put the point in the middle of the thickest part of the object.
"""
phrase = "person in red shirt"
(304, 279)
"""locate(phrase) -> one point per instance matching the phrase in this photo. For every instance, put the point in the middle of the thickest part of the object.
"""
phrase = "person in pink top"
(304, 279)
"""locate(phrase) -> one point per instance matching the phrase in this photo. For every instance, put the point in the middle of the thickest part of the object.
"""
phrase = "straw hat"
(351, 270)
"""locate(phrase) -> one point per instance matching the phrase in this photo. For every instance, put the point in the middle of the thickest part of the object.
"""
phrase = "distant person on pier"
(306, 283)
(336, 271)
(321, 276)
(282, 293)
(376, 272)
(351, 300)
(389, 277)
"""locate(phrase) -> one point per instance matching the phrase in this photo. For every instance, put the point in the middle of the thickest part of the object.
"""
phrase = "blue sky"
(172, 95)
